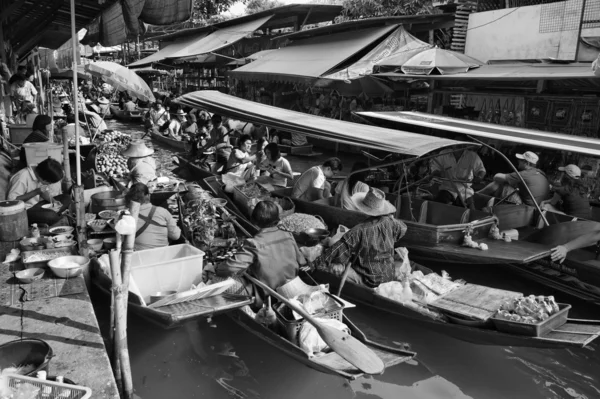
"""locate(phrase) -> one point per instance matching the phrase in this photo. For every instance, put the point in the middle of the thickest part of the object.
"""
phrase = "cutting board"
(474, 301)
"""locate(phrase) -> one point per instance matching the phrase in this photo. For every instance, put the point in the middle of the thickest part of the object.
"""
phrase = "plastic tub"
(172, 268)
(38, 152)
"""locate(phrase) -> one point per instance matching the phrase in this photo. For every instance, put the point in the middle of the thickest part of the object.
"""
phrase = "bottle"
(35, 231)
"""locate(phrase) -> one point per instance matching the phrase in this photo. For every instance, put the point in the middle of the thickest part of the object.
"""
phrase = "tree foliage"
(254, 6)
(356, 9)
(205, 12)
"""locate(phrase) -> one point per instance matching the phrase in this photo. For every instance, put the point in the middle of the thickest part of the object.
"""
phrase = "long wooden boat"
(176, 144)
(575, 333)
(330, 363)
(127, 116)
(172, 316)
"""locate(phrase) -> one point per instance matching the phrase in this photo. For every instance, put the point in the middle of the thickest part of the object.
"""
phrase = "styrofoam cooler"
(38, 152)
(172, 268)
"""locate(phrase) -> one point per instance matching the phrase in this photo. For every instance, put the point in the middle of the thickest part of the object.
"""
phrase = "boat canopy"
(536, 138)
(373, 137)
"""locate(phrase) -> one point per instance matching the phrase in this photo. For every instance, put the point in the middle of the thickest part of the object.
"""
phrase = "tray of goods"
(248, 195)
(117, 137)
(114, 165)
(532, 316)
(40, 258)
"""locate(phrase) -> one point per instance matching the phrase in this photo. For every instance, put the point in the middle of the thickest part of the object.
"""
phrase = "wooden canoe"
(434, 230)
(127, 116)
(176, 144)
(172, 316)
(580, 332)
(330, 363)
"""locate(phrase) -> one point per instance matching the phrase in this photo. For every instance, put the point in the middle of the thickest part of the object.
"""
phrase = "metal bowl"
(312, 237)
(157, 296)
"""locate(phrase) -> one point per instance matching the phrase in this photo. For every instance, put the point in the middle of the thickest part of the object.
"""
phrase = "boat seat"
(514, 216)
(441, 214)
(413, 210)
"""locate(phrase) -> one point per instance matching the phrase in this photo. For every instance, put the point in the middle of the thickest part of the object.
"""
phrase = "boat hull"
(176, 144)
(330, 363)
(481, 336)
(126, 116)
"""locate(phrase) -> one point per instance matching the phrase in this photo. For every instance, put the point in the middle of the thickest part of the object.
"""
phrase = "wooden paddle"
(345, 345)
(561, 233)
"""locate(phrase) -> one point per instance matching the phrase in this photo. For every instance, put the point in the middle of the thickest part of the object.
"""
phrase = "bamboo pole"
(75, 43)
(115, 267)
(66, 164)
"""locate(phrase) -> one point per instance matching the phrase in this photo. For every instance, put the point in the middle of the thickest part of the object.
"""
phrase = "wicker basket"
(49, 389)
(286, 322)
(287, 206)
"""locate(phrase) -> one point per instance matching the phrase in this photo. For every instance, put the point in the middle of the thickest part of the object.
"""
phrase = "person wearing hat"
(142, 167)
(368, 245)
(104, 105)
(507, 184)
(157, 118)
(571, 197)
(272, 255)
(174, 130)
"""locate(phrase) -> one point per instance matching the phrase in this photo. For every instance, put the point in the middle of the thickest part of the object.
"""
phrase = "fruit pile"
(116, 136)
(113, 165)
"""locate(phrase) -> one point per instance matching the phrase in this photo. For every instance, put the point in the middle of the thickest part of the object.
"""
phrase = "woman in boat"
(142, 167)
(276, 166)
(572, 193)
(312, 184)
(155, 226)
(367, 248)
(219, 138)
(240, 162)
(175, 128)
(271, 256)
(351, 185)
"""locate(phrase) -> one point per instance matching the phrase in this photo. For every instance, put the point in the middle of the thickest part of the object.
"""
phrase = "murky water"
(224, 361)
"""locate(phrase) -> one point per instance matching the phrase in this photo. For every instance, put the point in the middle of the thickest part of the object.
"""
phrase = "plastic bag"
(312, 253)
(310, 340)
(341, 230)
(402, 267)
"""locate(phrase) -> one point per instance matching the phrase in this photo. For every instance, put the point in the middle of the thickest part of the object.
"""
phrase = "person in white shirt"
(22, 91)
(312, 185)
(175, 130)
(240, 162)
(276, 166)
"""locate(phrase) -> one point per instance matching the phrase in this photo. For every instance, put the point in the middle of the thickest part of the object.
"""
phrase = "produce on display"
(206, 222)
(531, 309)
(117, 137)
(299, 222)
(253, 190)
(109, 159)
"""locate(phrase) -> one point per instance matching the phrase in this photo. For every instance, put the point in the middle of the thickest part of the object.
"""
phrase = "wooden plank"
(579, 328)
(571, 338)
(475, 301)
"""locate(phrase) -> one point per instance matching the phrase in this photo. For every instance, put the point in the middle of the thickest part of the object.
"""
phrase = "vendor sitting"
(155, 226)
(36, 183)
(271, 256)
(572, 195)
(312, 184)
(141, 164)
(175, 129)
(506, 184)
(368, 245)
(240, 162)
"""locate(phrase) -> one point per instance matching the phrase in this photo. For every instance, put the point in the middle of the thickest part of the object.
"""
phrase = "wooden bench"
(413, 210)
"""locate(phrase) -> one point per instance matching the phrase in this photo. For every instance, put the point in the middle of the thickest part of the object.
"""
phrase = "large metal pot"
(108, 200)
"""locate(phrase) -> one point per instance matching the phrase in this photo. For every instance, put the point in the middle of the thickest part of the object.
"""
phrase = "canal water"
(221, 360)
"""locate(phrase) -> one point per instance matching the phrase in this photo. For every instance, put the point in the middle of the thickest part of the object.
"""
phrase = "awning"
(310, 58)
(536, 138)
(399, 44)
(509, 72)
(221, 38)
(374, 137)
(166, 51)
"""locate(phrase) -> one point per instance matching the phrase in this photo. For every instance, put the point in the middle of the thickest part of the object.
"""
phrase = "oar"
(345, 345)
(558, 234)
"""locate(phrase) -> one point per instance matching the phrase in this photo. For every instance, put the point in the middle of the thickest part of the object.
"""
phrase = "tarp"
(396, 49)
(166, 51)
(374, 137)
(310, 58)
(221, 38)
(536, 138)
(510, 72)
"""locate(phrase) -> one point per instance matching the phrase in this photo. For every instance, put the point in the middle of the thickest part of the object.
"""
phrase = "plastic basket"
(285, 318)
(534, 330)
(49, 389)
(38, 152)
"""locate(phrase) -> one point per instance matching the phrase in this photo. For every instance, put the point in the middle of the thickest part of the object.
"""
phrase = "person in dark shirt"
(572, 195)
(42, 126)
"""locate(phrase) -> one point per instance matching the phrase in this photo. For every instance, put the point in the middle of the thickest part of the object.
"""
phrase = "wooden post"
(115, 267)
(2, 51)
(66, 164)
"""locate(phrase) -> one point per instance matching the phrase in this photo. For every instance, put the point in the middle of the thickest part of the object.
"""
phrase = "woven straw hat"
(137, 149)
(296, 287)
(179, 112)
(373, 203)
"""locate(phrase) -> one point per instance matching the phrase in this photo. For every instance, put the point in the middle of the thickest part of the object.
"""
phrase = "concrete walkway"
(68, 324)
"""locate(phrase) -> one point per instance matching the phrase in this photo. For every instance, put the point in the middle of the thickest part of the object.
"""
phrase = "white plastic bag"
(402, 267)
(310, 340)
(312, 253)
(341, 230)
